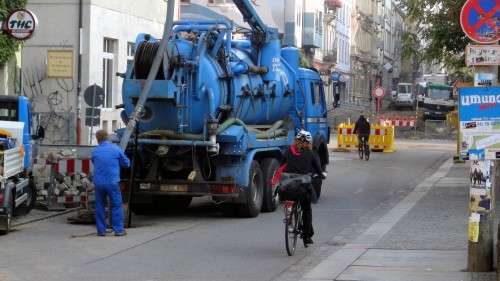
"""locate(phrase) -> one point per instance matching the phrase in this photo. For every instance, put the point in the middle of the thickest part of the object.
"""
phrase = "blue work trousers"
(102, 192)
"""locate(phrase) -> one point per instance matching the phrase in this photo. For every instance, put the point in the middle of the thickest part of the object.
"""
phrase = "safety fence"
(399, 121)
(381, 137)
(63, 183)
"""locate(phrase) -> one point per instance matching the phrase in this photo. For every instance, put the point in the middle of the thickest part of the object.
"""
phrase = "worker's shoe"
(123, 233)
(101, 234)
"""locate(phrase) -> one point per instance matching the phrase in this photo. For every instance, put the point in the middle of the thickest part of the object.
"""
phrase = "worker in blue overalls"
(107, 159)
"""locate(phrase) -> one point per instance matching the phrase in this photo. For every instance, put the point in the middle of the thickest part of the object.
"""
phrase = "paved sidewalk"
(423, 238)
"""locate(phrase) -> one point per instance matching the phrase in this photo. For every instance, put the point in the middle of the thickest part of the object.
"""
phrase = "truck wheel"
(253, 194)
(271, 202)
(30, 202)
(7, 223)
(318, 182)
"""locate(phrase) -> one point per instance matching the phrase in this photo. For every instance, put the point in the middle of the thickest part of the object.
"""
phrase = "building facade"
(10, 76)
(342, 76)
(106, 42)
(365, 48)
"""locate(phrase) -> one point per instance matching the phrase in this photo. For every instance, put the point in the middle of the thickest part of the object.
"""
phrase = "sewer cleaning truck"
(219, 115)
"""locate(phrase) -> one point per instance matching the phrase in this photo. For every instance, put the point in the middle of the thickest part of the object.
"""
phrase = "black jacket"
(301, 162)
(362, 127)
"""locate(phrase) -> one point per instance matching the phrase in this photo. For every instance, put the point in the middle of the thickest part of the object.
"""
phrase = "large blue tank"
(209, 76)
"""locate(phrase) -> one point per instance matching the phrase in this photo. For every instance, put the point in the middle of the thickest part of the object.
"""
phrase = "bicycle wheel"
(360, 151)
(291, 232)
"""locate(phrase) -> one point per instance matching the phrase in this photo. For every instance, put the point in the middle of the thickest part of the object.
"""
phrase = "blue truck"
(17, 190)
(219, 115)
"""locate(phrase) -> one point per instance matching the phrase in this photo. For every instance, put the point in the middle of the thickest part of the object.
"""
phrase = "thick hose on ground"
(274, 131)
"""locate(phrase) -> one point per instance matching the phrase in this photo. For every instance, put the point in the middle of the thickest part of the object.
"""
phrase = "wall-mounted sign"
(20, 24)
(482, 55)
(60, 63)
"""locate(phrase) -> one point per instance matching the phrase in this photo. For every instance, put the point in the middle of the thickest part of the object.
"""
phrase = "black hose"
(143, 60)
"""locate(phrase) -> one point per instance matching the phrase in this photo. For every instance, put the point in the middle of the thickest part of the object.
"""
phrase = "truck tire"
(8, 219)
(318, 182)
(29, 204)
(254, 192)
(269, 167)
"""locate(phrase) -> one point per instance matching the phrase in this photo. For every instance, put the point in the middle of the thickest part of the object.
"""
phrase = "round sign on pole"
(378, 92)
(94, 96)
(21, 24)
(479, 20)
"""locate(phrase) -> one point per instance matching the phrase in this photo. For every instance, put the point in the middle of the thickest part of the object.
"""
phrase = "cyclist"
(362, 129)
(299, 159)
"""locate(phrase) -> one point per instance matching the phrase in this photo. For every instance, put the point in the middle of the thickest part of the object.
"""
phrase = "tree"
(8, 46)
(437, 35)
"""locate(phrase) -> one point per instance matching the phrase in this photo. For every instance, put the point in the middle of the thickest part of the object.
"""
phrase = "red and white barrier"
(72, 166)
(398, 121)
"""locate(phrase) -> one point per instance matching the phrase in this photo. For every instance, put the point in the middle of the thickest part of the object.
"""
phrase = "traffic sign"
(378, 92)
(94, 96)
(92, 116)
(479, 20)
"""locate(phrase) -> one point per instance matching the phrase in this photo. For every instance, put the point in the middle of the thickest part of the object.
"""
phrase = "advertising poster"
(480, 182)
(479, 110)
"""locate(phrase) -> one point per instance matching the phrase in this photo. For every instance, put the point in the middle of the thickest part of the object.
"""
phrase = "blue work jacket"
(107, 159)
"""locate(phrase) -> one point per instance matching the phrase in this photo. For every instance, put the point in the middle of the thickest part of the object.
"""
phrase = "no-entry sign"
(378, 92)
(480, 20)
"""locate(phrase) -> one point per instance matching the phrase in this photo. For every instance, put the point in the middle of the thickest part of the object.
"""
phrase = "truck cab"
(17, 191)
(436, 100)
(403, 96)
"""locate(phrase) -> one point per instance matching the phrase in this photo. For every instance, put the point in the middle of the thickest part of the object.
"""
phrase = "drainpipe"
(79, 75)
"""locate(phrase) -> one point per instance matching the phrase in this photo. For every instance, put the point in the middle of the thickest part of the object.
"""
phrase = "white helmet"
(304, 136)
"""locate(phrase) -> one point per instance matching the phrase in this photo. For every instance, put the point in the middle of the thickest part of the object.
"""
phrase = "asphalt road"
(202, 244)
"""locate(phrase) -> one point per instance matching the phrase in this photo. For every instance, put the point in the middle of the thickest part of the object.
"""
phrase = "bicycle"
(292, 209)
(363, 148)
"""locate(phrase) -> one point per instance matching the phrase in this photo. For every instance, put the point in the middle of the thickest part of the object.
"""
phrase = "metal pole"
(151, 76)
(92, 114)
(132, 179)
(79, 77)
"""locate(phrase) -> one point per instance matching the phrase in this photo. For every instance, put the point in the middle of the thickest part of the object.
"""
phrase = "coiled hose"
(276, 130)
(143, 60)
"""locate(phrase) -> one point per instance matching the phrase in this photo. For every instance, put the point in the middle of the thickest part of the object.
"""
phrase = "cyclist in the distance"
(299, 159)
(362, 129)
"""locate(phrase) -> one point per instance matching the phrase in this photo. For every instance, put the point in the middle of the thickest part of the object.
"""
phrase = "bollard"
(389, 139)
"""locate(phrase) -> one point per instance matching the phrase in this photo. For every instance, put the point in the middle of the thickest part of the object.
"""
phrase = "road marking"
(333, 266)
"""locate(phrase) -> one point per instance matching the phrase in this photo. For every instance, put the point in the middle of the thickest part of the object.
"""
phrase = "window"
(8, 111)
(315, 93)
(185, 1)
(105, 125)
(108, 68)
(130, 52)
(114, 125)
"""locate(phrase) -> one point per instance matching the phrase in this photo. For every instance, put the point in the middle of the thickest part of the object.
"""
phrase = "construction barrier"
(63, 183)
(381, 138)
(403, 122)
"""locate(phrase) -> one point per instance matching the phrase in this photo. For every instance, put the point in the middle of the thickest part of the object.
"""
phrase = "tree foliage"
(8, 46)
(436, 34)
